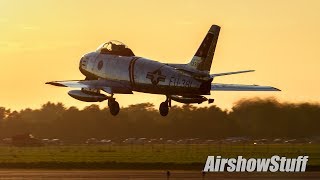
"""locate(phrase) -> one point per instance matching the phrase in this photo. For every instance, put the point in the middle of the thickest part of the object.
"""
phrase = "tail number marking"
(177, 82)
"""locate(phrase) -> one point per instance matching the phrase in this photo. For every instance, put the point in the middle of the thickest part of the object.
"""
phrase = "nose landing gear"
(113, 106)
(164, 107)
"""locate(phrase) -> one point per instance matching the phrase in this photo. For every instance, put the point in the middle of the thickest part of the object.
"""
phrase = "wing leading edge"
(241, 87)
(105, 85)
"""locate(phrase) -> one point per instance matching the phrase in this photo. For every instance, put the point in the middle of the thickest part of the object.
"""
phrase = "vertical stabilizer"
(202, 60)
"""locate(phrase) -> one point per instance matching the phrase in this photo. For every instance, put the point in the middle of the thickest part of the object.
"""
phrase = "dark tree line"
(254, 118)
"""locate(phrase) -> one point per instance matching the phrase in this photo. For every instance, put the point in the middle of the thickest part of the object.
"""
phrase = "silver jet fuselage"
(114, 69)
(143, 75)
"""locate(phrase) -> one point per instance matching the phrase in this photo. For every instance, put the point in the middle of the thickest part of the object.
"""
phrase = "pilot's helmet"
(117, 47)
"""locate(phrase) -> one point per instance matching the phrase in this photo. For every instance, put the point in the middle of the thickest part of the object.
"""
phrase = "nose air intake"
(83, 69)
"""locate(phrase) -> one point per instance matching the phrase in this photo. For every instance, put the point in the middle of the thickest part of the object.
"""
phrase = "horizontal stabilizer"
(229, 73)
(241, 87)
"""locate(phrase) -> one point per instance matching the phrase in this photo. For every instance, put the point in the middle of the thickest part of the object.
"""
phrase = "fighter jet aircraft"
(114, 69)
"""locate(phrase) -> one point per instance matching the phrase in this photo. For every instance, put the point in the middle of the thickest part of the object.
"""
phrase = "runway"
(133, 174)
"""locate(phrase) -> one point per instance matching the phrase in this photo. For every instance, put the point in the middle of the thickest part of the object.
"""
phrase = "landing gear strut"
(113, 106)
(164, 107)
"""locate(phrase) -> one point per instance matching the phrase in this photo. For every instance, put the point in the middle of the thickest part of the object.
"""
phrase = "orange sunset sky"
(44, 40)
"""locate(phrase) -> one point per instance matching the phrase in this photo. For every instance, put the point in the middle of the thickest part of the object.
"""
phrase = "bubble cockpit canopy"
(115, 48)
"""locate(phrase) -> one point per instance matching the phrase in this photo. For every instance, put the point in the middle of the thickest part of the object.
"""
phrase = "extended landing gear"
(113, 106)
(164, 107)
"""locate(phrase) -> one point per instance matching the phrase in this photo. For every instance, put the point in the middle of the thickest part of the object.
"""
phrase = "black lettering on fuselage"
(179, 82)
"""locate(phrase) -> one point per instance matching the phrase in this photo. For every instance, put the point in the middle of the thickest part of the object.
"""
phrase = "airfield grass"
(159, 156)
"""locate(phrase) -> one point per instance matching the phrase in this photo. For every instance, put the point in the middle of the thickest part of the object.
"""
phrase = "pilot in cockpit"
(116, 48)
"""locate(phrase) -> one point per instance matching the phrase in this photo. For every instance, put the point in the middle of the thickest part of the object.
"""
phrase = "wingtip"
(56, 84)
(252, 70)
(276, 89)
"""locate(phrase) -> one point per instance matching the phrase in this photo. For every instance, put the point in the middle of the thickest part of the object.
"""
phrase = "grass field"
(134, 156)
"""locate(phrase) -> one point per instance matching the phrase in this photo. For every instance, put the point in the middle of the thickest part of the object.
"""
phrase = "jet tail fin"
(202, 60)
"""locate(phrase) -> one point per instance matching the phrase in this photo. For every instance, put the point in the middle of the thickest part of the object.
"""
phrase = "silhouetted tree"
(249, 117)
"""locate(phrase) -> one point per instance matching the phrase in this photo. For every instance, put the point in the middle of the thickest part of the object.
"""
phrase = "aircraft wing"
(241, 87)
(105, 85)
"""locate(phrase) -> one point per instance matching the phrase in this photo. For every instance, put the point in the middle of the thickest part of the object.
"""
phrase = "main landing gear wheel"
(164, 107)
(113, 107)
